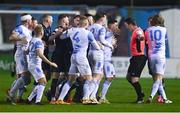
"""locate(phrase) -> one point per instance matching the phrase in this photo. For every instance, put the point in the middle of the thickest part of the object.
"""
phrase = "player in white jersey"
(36, 49)
(109, 71)
(156, 36)
(21, 37)
(96, 57)
(80, 38)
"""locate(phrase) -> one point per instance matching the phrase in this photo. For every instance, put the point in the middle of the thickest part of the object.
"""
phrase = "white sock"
(93, 95)
(87, 89)
(155, 87)
(161, 90)
(64, 91)
(105, 89)
(33, 93)
(40, 90)
(19, 83)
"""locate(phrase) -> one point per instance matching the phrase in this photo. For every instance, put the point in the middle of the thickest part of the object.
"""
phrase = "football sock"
(64, 91)
(40, 90)
(155, 87)
(105, 88)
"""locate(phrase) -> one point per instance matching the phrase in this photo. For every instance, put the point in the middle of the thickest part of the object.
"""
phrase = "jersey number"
(75, 38)
(156, 35)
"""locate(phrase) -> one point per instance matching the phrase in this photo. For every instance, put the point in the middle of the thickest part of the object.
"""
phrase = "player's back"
(35, 44)
(79, 38)
(97, 30)
(156, 36)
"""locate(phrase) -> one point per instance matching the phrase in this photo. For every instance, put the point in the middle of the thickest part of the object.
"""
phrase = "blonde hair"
(38, 30)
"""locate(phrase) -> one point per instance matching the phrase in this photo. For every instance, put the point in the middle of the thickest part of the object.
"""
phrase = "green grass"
(121, 95)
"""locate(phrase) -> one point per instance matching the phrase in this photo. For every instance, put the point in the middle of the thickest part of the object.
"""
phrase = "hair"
(33, 18)
(130, 21)
(157, 20)
(45, 16)
(38, 30)
(76, 16)
(82, 20)
(61, 16)
(88, 15)
(112, 21)
(98, 16)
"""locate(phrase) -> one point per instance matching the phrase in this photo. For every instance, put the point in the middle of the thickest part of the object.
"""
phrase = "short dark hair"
(130, 21)
(87, 15)
(61, 16)
(112, 21)
(76, 16)
(99, 15)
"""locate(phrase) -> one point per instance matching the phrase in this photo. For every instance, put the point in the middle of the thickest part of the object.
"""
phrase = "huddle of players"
(82, 54)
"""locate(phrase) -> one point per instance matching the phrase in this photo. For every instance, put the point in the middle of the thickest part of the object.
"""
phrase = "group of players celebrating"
(82, 55)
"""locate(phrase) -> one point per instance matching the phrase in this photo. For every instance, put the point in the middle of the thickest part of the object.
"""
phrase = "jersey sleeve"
(93, 41)
(19, 30)
(39, 45)
(102, 35)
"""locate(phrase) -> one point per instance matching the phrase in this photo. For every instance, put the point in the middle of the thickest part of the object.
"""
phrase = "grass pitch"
(121, 95)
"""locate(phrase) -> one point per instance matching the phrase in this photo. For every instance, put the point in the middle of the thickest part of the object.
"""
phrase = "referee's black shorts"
(63, 62)
(136, 66)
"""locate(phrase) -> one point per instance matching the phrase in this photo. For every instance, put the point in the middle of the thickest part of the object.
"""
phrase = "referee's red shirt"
(138, 32)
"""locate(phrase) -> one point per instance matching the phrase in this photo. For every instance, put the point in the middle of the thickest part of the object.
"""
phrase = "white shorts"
(96, 60)
(36, 71)
(79, 64)
(21, 63)
(109, 69)
(157, 65)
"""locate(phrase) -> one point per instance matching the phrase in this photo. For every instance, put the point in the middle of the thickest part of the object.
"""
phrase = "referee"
(138, 59)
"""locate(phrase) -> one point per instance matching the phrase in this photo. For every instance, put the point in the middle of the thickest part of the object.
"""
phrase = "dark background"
(94, 2)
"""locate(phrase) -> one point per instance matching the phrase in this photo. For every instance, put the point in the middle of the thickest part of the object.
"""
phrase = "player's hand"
(59, 30)
(114, 42)
(53, 64)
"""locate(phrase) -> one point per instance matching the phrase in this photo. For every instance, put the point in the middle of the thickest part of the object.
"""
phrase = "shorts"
(96, 60)
(36, 71)
(136, 66)
(63, 62)
(79, 64)
(109, 70)
(21, 63)
(157, 65)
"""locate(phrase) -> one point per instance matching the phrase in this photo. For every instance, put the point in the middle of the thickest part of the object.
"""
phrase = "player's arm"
(17, 35)
(139, 38)
(39, 50)
(102, 34)
(40, 54)
(93, 41)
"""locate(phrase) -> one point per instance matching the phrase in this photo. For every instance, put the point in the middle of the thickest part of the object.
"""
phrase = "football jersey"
(23, 32)
(156, 36)
(80, 38)
(35, 43)
(99, 33)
